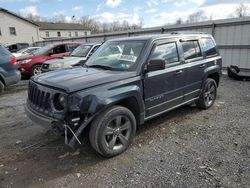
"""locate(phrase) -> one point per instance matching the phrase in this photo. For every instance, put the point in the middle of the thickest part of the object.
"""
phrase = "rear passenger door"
(195, 67)
(164, 89)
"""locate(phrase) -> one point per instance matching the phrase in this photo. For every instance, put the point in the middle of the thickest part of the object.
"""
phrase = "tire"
(208, 94)
(1, 87)
(112, 131)
(36, 70)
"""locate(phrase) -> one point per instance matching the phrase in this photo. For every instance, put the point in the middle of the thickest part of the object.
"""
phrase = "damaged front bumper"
(59, 127)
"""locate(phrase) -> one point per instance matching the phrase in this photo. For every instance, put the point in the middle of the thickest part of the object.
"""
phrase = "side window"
(168, 52)
(209, 46)
(12, 30)
(59, 49)
(191, 49)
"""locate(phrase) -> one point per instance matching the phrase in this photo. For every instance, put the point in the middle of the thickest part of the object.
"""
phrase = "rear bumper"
(38, 118)
(13, 79)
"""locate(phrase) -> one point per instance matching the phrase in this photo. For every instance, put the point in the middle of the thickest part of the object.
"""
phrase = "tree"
(90, 23)
(178, 21)
(241, 10)
(197, 17)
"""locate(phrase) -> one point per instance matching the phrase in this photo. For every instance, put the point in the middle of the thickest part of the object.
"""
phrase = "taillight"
(13, 60)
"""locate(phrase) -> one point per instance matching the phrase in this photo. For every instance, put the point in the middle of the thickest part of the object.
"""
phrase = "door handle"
(178, 72)
(202, 66)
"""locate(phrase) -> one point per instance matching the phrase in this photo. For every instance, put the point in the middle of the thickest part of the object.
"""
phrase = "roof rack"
(187, 32)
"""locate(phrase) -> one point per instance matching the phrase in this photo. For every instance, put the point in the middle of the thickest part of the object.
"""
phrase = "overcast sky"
(152, 12)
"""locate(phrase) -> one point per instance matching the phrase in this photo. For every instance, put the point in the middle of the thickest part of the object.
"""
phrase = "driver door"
(164, 89)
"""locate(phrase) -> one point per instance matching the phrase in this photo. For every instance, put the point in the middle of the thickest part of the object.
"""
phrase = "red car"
(31, 65)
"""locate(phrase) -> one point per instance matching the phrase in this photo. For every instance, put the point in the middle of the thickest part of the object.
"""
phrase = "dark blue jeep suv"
(8, 71)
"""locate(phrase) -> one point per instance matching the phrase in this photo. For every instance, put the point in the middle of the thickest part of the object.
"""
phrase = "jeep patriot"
(125, 83)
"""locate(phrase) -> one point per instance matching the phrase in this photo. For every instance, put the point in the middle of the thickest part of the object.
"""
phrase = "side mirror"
(156, 64)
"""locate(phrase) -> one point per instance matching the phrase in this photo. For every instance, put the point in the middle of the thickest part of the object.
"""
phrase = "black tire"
(208, 94)
(112, 131)
(1, 87)
(36, 70)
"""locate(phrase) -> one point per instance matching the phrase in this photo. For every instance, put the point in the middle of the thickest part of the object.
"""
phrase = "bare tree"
(197, 17)
(178, 21)
(241, 10)
(90, 23)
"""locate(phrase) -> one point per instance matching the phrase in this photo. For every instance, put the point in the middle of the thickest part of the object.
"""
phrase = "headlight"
(60, 101)
(55, 66)
(24, 61)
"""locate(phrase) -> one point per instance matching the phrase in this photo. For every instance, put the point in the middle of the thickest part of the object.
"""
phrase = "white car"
(25, 51)
(78, 57)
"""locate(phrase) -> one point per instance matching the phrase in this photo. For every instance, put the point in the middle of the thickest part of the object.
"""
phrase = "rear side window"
(168, 52)
(59, 49)
(209, 46)
(191, 49)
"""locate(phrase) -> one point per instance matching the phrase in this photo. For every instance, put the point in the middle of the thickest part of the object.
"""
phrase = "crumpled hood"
(66, 60)
(80, 78)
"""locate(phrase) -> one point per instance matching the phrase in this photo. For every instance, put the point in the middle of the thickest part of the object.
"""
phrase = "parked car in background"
(16, 47)
(25, 51)
(123, 84)
(8, 70)
(78, 57)
(30, 65)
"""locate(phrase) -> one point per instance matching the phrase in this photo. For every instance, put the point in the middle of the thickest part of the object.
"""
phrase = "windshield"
(43, 50)
(81, 51)
(120, 55)
(22, 50)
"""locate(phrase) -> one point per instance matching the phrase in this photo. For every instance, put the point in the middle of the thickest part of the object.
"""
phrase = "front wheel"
(36, 70)
(208, 95)
(113, 131)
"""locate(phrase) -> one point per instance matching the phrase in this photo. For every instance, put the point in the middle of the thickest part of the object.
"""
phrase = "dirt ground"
(187, 147)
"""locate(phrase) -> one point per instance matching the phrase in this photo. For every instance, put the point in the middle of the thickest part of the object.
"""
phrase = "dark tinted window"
(59, 49)
(209, 46)
(168, 52)
(191, 49)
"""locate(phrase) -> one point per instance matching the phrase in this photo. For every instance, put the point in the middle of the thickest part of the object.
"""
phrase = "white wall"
(25, 31)
(64, 33)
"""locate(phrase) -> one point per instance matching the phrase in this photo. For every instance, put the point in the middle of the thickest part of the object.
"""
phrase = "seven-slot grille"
(38, 98)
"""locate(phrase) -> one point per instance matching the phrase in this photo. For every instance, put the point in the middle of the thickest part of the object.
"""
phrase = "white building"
(16, 29)
(50, 30)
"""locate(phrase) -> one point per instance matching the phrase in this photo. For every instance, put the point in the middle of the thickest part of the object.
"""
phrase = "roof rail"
(187, 32)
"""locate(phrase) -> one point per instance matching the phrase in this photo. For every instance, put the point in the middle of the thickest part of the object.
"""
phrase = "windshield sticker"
(128, 58)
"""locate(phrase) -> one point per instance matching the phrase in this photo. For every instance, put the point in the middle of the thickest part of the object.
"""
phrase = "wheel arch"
(213, 72)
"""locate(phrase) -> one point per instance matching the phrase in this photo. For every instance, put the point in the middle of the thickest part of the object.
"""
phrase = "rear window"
(191, 49)
(4, 51)
(209, 46)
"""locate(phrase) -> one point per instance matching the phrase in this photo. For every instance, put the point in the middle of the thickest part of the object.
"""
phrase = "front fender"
(96, 100)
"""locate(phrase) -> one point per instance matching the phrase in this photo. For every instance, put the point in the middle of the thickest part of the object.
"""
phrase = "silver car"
(78, 57)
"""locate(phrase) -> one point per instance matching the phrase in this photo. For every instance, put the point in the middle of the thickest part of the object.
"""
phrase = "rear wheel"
(208, 95)
(113, 131)
(1, 87)
(36, 70)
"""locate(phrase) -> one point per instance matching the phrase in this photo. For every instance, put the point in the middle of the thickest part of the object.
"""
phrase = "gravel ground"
(187, 147)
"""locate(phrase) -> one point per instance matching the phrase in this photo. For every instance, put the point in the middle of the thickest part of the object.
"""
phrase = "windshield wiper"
(101, 67)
